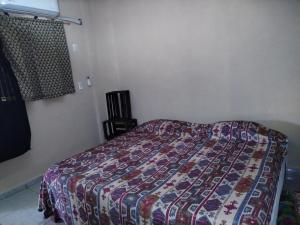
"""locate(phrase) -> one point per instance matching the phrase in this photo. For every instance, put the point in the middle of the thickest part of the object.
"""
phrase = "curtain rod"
(69, 20)
(66, 20)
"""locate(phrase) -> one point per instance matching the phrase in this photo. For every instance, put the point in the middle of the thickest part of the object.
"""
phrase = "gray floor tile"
(27, 220)
(21, 209)
(35, 187)
(18, 201)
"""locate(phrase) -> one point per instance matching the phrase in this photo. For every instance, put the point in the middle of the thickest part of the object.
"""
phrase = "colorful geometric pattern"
(173, 173)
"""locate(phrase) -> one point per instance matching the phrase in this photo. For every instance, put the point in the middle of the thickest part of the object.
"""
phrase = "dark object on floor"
(292, 179)
(287, 214)
(297, 200)
(119, 114)
(14, 126)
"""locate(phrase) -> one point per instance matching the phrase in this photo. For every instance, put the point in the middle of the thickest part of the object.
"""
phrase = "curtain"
(14, 126)
(39, 56)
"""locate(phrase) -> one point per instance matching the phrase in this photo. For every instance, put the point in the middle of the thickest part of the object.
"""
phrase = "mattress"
(171, 172)
(280, 184)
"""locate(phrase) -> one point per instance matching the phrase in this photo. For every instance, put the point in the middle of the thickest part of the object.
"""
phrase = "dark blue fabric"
(15, 132)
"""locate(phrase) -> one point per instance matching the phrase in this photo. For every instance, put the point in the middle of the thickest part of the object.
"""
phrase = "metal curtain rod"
(67, 20)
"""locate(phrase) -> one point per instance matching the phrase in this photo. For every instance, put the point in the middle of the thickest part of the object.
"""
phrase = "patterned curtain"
(39, 56)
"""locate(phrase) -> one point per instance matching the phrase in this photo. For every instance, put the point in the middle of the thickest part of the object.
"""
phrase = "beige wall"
(194, 60)
(60, 127)
(203, 60)
(104, 59)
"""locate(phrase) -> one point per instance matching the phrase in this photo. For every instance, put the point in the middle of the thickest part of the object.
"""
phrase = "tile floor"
(21, 208)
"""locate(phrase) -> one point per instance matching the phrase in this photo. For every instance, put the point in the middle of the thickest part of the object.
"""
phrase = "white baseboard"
(19, 188)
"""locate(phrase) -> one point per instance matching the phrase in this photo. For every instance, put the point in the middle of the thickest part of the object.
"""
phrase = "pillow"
(246, 130)
(175, 128)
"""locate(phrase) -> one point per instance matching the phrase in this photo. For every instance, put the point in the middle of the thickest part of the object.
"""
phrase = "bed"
(168, 172)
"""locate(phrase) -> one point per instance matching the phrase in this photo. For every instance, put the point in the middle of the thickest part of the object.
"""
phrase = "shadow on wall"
(293, 132)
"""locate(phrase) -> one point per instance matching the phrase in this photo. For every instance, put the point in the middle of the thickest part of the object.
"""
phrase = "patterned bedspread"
(170, 172)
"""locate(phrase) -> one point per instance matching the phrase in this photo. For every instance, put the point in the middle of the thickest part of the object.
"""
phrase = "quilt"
(168, 172)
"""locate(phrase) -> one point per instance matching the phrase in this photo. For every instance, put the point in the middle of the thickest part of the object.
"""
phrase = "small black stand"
(119, 114)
